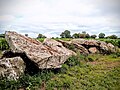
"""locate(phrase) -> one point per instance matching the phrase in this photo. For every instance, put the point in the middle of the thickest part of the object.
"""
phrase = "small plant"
(64, 68)
(90, 59)
(73, 61)
(3, 44)
(41, 39)
(71, 47)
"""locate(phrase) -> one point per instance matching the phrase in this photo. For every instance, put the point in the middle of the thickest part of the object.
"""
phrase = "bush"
(73, 61)
(71, 47)
(3, 44)
(2, 35)
(41, 39)
(112, 37)
(115, 42)
(119, 43)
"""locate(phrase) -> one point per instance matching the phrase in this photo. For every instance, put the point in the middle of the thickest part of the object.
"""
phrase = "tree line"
(83, 34)
(67, 34)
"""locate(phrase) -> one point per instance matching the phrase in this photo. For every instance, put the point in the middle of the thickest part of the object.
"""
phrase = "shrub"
(2, 35)
(3, 44)
(115, 42)
(41, 39)
(93, 36)
(119, 43)
(71, 47)
(72, 61)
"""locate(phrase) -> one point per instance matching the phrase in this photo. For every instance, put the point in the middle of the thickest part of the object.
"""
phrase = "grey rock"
(50, 54)
(93, 50)
(111, 47)
(86, 42)
(99, 46)
(76, 47)
(12, 68)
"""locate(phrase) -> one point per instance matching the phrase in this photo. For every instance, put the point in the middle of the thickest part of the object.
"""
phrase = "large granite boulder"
(58, 51)
(76, 47)
(11, 68)
(50, 54)
(95, 46)
(86, 42)
(86, 47)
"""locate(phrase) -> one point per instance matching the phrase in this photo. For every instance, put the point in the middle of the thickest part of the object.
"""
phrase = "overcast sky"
(51, 17)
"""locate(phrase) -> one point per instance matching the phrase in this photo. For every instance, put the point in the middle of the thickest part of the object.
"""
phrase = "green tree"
(87, 35)
(62, 35)
(101, 35)
(41, 36)
(84, 35)
(2, 35)
(83, 32)
(93, 36)
(75, 35)
(65, 34)
(81, 35)
(26, 35)
(112, 37)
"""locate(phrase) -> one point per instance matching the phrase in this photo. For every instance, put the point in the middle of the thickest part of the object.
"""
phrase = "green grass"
(65, 39)
(102, 74)
(41, 39)
(78, 73)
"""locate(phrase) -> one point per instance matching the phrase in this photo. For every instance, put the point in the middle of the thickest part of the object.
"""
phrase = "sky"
(51, 17)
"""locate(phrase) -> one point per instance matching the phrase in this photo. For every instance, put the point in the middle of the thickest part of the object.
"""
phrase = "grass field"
(95, 72)
(103, 73)
(65, 39)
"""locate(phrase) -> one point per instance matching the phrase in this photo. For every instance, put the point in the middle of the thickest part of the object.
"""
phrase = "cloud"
(6, 18)
(51, 17)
